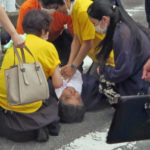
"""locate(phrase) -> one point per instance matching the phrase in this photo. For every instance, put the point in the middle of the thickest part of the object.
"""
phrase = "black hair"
(70, 113)
(100, 8)
(50, 2)
(36, 20)
(5, 37)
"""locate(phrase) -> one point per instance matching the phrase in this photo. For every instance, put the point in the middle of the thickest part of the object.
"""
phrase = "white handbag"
(26, 82)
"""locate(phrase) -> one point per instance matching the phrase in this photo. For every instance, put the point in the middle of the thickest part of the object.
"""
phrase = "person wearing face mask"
(130, 42)
(85, 38)
(57, 31)
(34, 121)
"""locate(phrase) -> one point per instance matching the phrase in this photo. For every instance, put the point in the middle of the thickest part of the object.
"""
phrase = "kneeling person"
(36, 120)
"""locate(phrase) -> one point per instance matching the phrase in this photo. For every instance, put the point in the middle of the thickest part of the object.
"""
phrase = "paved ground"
(95, 121)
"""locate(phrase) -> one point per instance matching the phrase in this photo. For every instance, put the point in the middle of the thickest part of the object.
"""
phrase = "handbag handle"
(37, 66)
(22, 54)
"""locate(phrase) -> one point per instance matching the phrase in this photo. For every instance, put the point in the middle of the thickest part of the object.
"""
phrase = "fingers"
(18, 41)
(67, 72)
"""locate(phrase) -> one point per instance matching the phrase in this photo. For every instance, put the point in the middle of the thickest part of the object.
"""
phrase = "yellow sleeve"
(86, 27)
(49, 59)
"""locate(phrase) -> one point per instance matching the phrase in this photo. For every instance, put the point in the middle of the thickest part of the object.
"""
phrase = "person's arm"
(70, 25)
(83, 51)
(124, 68)
(78, 53)
(125, 62)
(57, 79)
(67, 71)
(8, 26)
(75, 47)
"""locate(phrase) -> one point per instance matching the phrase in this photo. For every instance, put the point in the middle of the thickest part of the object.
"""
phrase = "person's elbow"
(57, 83)
(57, 79)
(89, 44)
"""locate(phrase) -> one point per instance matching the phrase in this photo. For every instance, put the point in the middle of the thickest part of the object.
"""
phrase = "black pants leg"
(14, 135)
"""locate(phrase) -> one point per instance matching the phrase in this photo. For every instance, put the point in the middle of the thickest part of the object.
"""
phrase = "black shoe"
(54, 128)
(42, 135)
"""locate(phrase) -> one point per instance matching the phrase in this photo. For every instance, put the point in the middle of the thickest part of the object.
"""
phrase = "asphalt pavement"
(94, 121)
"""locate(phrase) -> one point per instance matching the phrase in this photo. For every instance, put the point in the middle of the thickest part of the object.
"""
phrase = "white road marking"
(97, 141)
(133, 11)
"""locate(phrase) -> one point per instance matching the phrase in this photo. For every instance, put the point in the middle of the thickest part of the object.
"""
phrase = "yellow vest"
(45, 53)
(85, 30)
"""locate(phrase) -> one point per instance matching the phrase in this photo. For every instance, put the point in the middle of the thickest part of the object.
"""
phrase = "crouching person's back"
(34, 121)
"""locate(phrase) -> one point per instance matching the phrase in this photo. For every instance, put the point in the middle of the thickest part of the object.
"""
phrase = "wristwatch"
(73, 66)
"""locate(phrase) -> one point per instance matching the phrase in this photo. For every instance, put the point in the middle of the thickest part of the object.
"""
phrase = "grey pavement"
(93, 121)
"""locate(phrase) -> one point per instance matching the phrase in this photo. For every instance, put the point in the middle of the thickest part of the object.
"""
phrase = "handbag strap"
(37, 66)
(27, 49)
(22, 54)
(17, 54)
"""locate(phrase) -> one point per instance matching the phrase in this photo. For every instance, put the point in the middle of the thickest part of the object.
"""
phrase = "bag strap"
(27, 49)
(37, 66)
(22, 54)
(17, 54)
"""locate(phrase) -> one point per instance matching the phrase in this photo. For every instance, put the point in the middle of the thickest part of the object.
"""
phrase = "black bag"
(131, 121)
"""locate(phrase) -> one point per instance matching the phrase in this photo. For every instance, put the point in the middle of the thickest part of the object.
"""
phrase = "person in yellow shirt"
(85, 37)
(32, 121)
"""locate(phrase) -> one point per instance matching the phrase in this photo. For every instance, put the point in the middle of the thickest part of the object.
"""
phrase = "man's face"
(71, 96)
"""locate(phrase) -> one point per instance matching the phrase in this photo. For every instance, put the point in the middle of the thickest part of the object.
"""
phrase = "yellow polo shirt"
(85, 30)
(45, 53)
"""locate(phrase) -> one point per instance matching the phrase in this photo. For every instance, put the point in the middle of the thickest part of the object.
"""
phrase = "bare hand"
(18, 40)
(67, 72)
(146, 71)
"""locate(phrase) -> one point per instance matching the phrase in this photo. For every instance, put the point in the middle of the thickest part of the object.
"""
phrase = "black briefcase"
(131, 121)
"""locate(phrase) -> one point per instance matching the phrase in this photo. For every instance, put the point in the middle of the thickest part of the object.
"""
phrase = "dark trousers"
(39, 135)
(36, 126)
(12, 134)
(147, 9)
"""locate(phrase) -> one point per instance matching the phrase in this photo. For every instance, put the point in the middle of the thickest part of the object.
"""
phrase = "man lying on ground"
(78, 95)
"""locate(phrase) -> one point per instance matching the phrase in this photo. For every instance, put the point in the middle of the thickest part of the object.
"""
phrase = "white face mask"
(46, 38)
(48, 11)
(69, 11)
(100, 30)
